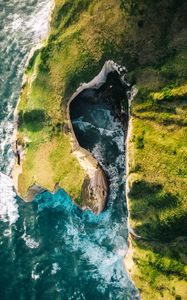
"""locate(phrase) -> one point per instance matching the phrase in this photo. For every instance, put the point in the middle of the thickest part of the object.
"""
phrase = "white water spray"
(24, 25)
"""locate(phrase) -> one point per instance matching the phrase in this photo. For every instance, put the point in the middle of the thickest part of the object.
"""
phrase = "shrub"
(140, 141)
(32, 60)
(33, 120)
(34, 116)
(142, 188)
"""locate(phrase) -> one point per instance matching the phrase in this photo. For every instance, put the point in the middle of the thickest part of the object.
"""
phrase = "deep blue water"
(49, 249)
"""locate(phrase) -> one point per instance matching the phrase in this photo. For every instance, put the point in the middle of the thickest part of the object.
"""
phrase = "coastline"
(86, 160)
(17, 169)
(128, 260)
(129, 264)
(161, 134)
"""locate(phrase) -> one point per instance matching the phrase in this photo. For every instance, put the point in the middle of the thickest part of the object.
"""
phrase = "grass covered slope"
(41, 130)
(150, 39)
(158, 197)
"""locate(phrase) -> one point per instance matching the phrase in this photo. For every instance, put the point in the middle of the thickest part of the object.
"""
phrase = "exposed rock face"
(108, 87)
(95, 186)
(95, 190)
(33, 191)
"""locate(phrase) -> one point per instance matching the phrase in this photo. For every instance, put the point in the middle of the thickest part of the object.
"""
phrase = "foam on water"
(55, 268)
(34, 274)
(35, 23)
(8, 204)
(29, 241)
(23, 25)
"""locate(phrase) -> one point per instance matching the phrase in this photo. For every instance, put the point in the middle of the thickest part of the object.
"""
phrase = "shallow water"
(49, 249)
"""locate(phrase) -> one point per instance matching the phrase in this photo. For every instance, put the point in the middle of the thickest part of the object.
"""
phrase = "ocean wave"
(29, 241)
(55, 268)
(8, 203)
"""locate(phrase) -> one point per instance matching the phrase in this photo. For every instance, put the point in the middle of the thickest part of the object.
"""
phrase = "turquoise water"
(54, 251)
(49, 249)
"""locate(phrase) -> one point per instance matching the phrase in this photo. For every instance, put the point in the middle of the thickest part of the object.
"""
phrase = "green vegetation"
(33, 120)
(41, 127)
(158, 177)
(159, 270)
(150, 39)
